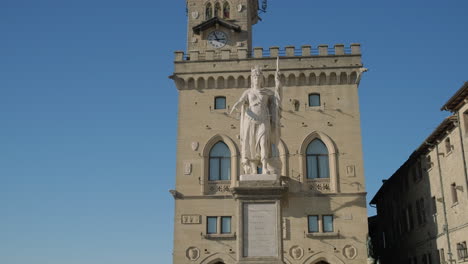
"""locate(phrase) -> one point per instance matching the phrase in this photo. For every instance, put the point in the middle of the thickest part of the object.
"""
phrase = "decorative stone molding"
(293, 79)
(319, 185)
(218, 188)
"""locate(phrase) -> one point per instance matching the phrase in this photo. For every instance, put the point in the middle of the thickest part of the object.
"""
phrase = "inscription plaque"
(260, 230)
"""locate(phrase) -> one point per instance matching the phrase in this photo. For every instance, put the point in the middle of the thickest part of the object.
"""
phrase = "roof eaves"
(455, 102)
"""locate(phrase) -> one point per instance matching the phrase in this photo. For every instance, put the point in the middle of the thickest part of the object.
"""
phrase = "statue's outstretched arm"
(239, 102)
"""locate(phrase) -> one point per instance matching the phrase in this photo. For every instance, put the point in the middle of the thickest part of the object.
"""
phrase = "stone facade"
(283, 206)
(422, 209)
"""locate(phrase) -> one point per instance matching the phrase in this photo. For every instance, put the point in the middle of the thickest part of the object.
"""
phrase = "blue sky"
(88, 115)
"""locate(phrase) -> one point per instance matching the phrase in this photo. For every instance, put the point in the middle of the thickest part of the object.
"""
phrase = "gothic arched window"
(220, 163)
(226, 10)
(208, 11)
(217, 10)
(317, 160)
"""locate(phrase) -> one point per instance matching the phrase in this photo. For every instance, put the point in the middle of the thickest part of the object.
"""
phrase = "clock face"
(217, 39)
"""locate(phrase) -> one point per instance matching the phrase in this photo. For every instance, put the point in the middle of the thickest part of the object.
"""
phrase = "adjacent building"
(316, 213)
(422, 209)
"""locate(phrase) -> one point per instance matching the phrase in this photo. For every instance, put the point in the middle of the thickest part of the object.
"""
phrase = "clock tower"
(220, 24)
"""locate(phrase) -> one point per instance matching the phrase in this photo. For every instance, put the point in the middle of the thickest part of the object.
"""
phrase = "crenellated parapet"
(306, 66)
(272, 52)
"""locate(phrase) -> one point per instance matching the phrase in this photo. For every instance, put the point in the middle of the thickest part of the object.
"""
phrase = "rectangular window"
(214, 169)
(418, 212)
(442, 255)
(428, 162)
(327, 221)
(220, 102)
(314, 100)
(225, 225)
(434, 205)
(410, 217)
(462, 251)
(423, 210)
(313, 223)
(323, 167)
(448, 146)
(312, 166)
(453, 188)
(465, 120)
(212, 225)
(415, 172)
(225, 169)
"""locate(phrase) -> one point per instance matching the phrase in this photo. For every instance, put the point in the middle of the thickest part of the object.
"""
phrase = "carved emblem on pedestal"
(296, 252)
(350, 252)
(192, 253)
(195, 146)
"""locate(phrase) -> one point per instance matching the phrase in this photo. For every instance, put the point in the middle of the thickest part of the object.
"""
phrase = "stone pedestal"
(259, 225)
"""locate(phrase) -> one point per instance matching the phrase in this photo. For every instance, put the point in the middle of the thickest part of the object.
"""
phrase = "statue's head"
(257, 77)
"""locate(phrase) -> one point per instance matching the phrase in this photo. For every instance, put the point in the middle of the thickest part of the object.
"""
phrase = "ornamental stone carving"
(320, 187)
(192, 253)
(214, 188)
(296, 252)
(350, 252)
(195, 146)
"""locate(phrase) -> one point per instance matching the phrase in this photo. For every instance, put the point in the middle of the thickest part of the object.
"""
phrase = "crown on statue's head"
(256, 71)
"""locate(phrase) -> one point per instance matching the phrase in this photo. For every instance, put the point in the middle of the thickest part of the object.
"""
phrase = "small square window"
(313, 223)
(327, 223)
(211, 225)
(225, 225)
(220, 102)
(314, 100)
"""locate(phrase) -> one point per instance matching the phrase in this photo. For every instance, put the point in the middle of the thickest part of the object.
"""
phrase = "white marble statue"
(260, 125)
